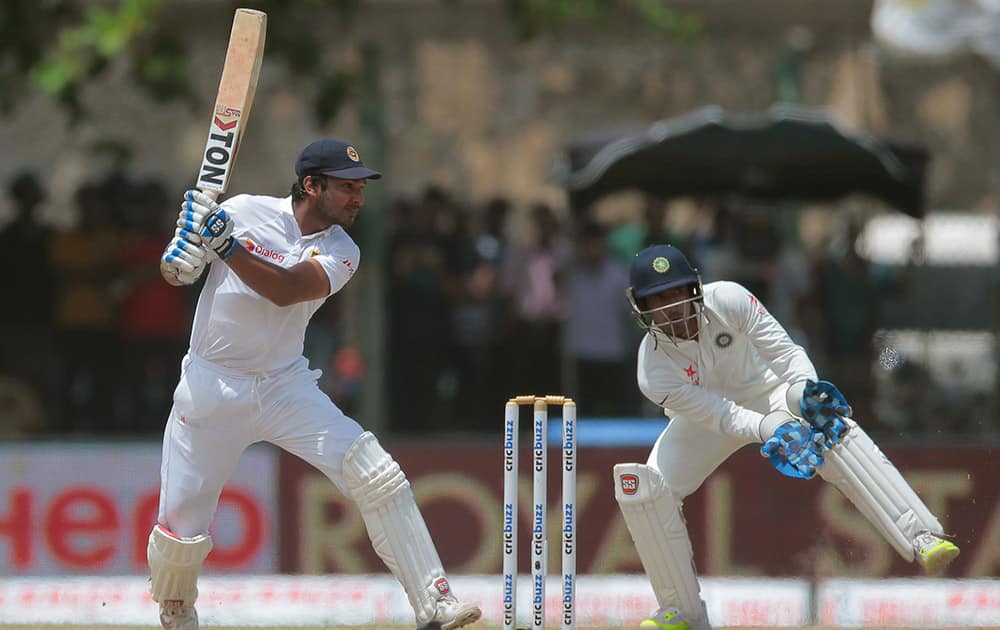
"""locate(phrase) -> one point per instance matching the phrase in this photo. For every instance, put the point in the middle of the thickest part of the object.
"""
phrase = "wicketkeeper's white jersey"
(237, 328)
(741, 354)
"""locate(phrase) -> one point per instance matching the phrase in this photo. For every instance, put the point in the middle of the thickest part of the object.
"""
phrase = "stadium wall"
(86, 509)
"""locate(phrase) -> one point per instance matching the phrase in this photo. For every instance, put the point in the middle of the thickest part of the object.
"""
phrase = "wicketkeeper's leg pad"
(174, 565)
(654, 519)
(859, 470)
(397, 529)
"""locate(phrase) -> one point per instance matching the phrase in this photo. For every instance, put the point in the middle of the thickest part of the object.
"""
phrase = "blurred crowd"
(91, 335)
(482, 302)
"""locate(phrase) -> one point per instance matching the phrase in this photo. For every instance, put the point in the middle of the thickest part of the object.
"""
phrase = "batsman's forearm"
(282, 286)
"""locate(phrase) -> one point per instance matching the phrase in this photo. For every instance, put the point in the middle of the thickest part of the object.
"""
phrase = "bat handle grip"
(214, 194)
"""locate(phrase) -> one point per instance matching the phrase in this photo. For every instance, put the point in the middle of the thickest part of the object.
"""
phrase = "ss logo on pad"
(442, 586)
(630, 484)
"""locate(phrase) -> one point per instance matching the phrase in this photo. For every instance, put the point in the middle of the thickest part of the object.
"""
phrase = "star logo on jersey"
(692, 374)
(756, 304)
(661, 264)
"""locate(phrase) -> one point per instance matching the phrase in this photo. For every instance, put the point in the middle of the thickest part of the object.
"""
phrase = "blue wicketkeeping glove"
(795, 450)
(824, 407)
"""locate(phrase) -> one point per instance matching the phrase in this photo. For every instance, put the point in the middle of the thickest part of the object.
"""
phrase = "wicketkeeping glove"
(824, 407)
(795, 450)
(204, 217)
(182, 258)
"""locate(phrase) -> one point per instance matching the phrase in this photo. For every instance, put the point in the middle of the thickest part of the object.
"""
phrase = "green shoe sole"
(937, 558)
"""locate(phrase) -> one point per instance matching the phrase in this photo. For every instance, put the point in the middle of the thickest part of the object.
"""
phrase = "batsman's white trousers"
(218, 413)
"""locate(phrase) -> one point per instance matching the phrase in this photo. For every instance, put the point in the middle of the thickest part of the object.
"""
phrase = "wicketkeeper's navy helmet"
(658, 268)
(654, 270)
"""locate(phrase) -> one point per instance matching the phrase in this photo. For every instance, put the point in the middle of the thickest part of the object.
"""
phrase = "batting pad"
(395, 525)
(859, 470)
(657, 526)
(174, 564)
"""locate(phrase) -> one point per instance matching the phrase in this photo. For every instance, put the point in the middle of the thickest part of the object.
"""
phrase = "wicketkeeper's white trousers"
(687, 451)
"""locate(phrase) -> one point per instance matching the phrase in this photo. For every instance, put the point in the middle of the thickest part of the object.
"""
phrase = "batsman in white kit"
(272, 262)
(727, 374)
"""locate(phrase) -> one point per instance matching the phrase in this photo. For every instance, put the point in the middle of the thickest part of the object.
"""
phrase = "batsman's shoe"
(175, 616)
(935, 553)
(666, 619)
(451, 614)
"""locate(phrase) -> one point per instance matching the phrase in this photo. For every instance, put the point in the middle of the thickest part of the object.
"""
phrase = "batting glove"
(795, 450)
(204, 217)
(182, 258)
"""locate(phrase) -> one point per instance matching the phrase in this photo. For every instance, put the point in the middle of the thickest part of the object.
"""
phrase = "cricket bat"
(232, 105)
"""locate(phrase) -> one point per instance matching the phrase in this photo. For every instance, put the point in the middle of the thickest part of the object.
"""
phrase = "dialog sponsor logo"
(260, 250)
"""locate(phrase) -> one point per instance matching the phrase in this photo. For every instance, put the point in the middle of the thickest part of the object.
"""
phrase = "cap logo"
(353, 154)
(661, 264)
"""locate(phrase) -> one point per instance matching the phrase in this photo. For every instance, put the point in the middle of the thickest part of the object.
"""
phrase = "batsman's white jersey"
(244, 379)
(234, 327)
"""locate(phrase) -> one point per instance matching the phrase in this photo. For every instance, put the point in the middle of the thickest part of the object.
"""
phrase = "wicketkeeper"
(727, 374)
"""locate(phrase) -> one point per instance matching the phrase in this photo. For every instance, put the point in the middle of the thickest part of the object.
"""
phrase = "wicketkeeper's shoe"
(666, 619)
(175, 616)
(934, 553)
(451, 614)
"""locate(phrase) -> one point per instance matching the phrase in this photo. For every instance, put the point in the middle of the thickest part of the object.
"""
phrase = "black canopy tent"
(787, 153)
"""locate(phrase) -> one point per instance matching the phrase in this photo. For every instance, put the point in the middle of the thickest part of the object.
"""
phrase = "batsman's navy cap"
(333, 157)
(658, 268)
